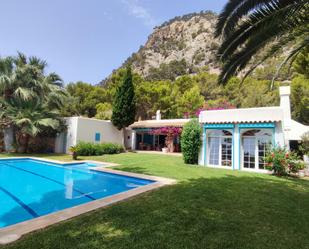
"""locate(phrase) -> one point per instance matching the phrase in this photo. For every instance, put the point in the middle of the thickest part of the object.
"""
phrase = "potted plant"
(73, 150)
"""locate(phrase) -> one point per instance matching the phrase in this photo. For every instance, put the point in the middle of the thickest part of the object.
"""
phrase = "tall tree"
(246, 27)
(301, 63)
(300, 99)
(85, 99)
(124, 107)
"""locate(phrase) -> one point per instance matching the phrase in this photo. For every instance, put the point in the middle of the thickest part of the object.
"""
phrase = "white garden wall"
(87, 130)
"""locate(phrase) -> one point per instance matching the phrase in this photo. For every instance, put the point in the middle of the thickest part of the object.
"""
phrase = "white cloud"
(135, 9)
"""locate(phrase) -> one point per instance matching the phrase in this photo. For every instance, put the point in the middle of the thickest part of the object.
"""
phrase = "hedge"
(191, 141)
(95, 149)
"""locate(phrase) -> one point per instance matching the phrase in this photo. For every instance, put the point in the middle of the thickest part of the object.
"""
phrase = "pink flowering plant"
(218, 105)
(283, 162)
(211, 106)
(170, 131)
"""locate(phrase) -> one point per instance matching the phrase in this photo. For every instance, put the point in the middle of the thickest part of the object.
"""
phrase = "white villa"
(238, 138)
(233, 138)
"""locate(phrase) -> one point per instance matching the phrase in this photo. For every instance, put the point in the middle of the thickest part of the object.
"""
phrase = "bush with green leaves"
(95, 149)
(283, 162)
(191, 141)
(304, 147)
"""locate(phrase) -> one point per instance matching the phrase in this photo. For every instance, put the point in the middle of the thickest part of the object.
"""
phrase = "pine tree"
(124, 107)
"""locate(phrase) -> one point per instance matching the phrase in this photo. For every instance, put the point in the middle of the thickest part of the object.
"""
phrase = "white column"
(133, 140)
(236, 148)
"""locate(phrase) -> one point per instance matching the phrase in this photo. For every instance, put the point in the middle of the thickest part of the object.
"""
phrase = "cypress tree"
(124, 107)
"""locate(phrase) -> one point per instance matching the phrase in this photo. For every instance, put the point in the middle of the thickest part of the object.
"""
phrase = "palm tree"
(247, 27)
(6, 75)
(29, 99)
(30, 118)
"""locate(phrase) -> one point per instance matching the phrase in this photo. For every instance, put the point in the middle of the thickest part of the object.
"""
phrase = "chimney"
(285, 92)
(158, 115)
(285, 105)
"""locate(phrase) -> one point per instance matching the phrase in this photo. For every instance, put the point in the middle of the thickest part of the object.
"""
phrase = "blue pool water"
(32, 188)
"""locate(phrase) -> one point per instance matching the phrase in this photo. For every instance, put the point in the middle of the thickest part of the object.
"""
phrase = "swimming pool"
(32, 188)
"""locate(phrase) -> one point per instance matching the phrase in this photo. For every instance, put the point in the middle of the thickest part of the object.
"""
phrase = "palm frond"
(277, 46)
(24, 93)
(292, 54)
(247, 26)
(48, 122)
(20, 59)
(37, 62)
(235, 10)
(258, 22)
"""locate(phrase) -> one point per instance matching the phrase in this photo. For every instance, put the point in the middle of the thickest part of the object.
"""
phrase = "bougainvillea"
(210, 106)
(220, 105)
(170, 132)
(167, 131)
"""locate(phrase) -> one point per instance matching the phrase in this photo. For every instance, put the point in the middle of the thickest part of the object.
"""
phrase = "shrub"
(191, 141)
(94, 149)
(283, 162)
(304, 148)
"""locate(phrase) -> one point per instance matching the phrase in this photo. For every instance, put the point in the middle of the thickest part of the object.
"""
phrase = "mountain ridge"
(189, 37)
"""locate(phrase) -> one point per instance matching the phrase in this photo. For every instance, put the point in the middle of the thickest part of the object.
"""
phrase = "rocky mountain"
(186, 45)
(185, 42)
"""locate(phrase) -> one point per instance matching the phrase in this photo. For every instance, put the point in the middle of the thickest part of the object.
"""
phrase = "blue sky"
(86, 39)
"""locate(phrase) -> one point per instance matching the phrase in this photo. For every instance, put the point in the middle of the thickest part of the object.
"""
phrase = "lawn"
(208, 208)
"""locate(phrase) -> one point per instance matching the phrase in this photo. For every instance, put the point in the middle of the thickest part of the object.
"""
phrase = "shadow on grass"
(227, 212)
(133, 169)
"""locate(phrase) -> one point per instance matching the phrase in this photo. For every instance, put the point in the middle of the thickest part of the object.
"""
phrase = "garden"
(207, 208)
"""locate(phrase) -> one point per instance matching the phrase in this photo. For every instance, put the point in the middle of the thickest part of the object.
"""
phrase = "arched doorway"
(254, 146)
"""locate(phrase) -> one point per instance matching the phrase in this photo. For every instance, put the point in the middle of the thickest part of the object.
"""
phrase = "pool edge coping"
(14, 232)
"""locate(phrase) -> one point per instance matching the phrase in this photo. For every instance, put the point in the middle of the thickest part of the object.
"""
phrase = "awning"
(244, 115)
(159, 123)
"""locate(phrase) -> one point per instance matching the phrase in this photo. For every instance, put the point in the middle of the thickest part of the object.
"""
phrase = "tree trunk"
(124, 138)
(8, 138)
(27, 138)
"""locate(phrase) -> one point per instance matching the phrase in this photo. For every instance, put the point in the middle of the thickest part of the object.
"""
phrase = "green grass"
(208, 208)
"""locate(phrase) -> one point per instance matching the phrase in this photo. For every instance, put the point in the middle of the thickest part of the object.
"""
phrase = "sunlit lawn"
(208, 208)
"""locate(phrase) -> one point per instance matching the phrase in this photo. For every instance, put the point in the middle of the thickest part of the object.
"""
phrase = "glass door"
(263, 144)
(249, 151)
(226, 151)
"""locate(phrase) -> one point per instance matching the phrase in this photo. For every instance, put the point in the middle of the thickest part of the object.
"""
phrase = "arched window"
(220, 148)
(219, 133)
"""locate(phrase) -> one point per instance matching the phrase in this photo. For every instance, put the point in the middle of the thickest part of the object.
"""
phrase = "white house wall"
(279, 136)
(87, 128)
(71, 137)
